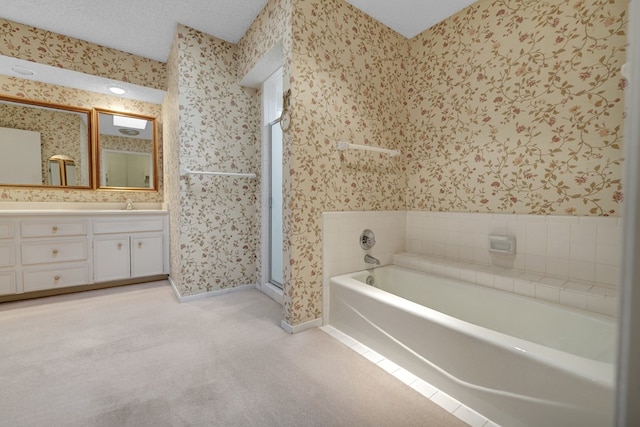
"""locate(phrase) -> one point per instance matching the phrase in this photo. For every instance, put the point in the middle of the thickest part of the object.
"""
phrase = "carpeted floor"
(134, 356)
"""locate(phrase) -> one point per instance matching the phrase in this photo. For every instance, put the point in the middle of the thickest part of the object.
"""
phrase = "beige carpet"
(134, 356)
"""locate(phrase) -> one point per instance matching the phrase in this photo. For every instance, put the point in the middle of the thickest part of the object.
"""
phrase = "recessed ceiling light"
(22, 70)
(117, 90)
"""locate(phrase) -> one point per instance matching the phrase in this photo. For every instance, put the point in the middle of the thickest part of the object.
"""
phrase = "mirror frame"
(90, 145)
(96, 149)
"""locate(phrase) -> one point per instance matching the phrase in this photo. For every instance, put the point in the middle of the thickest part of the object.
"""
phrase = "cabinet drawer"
(36, 279)
(7, 255)
(128, 225)
(7, 282)
(54, 228)
(6, 229)
(42, 252)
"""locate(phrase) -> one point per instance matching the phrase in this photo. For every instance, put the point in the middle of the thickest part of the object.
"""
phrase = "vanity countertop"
(80, 212)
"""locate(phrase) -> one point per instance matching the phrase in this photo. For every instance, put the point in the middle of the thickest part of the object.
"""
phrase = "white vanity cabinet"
(54, 252)
(43, 251)
(7, 258)
(128, 249)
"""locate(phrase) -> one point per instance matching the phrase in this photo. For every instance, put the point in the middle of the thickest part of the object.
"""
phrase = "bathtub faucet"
(371, 260)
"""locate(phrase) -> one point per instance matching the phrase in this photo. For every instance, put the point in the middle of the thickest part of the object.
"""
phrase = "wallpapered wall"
(62, 133)
(36, 45)
(218, 125)
(78, 98)
(518, 107)
(347, 82)
(509, 106)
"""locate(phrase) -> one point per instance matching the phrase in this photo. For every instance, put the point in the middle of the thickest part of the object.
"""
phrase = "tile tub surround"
(568, 260)
(341, 245)
(570, 248)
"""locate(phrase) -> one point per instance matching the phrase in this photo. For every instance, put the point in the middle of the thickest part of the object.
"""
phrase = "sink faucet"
(371, 260)
(129, 205)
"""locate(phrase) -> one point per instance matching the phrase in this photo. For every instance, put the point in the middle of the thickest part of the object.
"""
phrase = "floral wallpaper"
(347, 83)
(272, 25)
(218, 125)
(124, 143)
(66, 96)
(517, 106)
(37, 45)
(62, 133)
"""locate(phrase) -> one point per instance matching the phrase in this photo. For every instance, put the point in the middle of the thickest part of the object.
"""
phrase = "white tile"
(503, 283)
(481, 256)
(583, 242)
(535, 263)
(439, 249)
(558, 240)
(466, 253)
(557, 267)
(607, 274)
(536, 243)
(529, 276)
(439, 270)
(578, 286)
(573, 299)
(388, 365)
(468, 275)
(609, 255)
(602, 291)
(547, 293)
(452, 251)
(445, 401)
(584, 271)
(424, 388)
(485, 279)
(553, 282)
(452, 272)
(405, 376)
(491, 424)
(470, 416)
(524, 287)
(373, 356)
(608, 235)
(360, 348)
(452, 224)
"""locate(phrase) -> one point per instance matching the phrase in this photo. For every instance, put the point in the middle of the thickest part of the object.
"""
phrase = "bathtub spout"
(371, 260)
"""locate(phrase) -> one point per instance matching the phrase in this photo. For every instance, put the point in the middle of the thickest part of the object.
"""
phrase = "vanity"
(47, 252)
(64, 172)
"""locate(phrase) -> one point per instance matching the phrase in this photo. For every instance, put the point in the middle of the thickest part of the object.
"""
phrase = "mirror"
(126, 151)
(35, 135)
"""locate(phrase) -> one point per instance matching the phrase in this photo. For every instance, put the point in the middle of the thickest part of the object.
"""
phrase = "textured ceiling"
(146, 27)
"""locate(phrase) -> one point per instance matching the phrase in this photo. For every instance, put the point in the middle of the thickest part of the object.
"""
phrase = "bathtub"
(516, 360)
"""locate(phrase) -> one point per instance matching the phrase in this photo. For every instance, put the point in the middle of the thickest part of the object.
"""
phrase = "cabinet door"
(111, 258)
(146, 255)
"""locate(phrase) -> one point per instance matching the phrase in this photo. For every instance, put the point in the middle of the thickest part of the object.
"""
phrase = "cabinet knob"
(140, 244)
(119, 245)
(55, 252)
(56, 278)
(54, 229)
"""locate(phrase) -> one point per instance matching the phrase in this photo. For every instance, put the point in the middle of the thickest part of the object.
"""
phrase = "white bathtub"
(516, 360)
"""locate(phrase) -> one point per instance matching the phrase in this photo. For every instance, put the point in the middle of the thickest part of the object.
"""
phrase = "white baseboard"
(316, 323)
(209, 294)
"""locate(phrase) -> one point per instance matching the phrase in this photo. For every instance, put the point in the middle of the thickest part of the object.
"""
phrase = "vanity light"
(129, 132)
(22, 71)
(116, 90)
(129, 122)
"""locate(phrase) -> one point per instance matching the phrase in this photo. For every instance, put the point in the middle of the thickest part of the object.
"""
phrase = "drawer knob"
(55, 252)
(140, 244)
(56, 278)
(54, 229)
(119, 245)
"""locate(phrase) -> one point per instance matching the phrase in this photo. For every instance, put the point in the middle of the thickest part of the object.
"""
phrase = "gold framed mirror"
(33, 132)
(126, 151)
